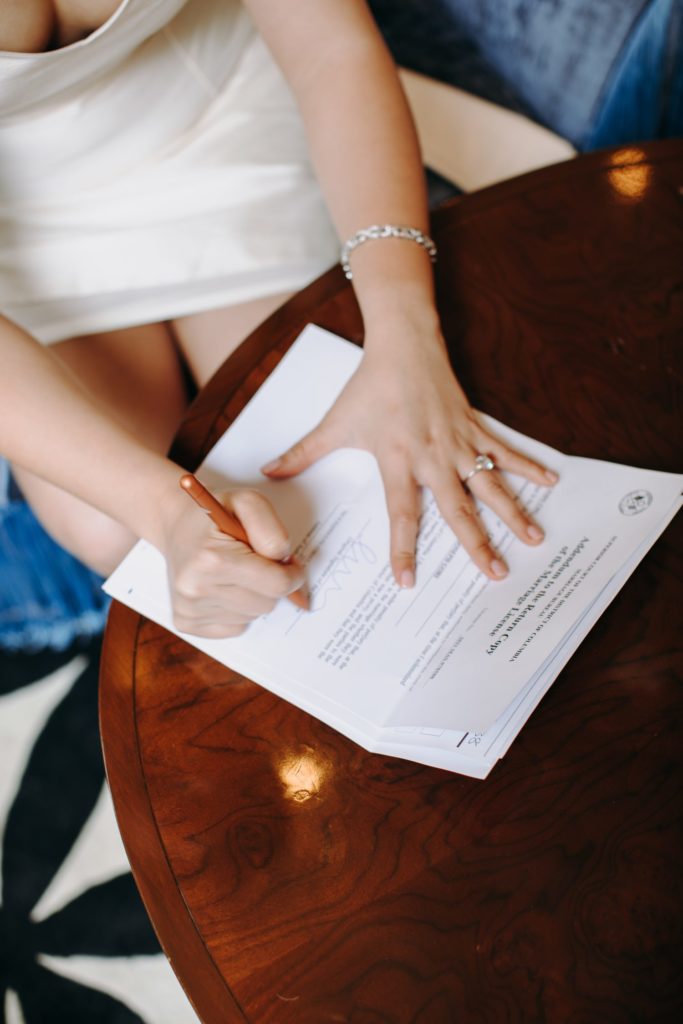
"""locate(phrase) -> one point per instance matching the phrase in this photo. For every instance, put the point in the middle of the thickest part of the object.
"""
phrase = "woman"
(157, 205)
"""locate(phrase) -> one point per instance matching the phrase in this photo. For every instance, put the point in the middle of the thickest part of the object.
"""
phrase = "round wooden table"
(294, 877)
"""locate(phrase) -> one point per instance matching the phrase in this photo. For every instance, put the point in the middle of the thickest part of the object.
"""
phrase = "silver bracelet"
(384, 231)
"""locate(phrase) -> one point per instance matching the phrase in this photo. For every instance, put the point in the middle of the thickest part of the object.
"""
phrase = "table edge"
(141, 839)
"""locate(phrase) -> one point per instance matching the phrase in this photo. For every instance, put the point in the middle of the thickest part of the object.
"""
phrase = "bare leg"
(136, 375)
(207, 339)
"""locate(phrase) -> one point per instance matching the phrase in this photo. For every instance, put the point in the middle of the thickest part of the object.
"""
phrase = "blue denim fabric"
(672, 93)
(639, 99)
(47, 598)
(598, 72)
(428, 37)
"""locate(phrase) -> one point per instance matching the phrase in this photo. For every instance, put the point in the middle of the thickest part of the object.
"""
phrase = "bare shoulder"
(26, 25)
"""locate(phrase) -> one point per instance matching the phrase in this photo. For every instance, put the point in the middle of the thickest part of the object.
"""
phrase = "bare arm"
(404, 404)
(362, 138)
(50, 425)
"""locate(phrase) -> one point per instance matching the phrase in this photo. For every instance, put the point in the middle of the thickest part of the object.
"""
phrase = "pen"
(228, 524)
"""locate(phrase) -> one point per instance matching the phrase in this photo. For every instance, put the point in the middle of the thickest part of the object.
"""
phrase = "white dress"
(156, 168)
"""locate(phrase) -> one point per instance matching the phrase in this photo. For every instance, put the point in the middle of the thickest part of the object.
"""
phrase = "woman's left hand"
(405, 406)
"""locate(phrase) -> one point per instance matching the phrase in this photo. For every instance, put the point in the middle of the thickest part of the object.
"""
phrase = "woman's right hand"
(219, 584)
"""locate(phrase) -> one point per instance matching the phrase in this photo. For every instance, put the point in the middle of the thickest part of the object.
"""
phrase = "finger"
(210, 629)
(514, 462)
(459, 511)
(220, 571)
(251, 573)
(265, 531)
(301, 455)
(229, 604)
(401, 494)
(245, 605)
(489, 487)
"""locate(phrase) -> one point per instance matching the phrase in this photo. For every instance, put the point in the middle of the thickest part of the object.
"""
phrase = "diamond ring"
(482, 462)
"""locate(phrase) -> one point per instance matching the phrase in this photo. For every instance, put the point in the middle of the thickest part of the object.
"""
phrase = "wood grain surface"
(294, 877)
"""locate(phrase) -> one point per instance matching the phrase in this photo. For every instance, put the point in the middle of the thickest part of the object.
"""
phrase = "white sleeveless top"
(156, 168)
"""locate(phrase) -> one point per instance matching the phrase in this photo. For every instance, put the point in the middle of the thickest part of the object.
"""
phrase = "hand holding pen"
(231, 526)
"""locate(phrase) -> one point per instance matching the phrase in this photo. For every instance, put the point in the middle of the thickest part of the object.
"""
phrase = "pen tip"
(301, 599)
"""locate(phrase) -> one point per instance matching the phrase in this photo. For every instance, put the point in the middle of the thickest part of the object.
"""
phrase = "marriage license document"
(445, 673)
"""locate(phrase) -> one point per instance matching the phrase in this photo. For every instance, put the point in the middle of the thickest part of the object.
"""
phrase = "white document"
(448, 672)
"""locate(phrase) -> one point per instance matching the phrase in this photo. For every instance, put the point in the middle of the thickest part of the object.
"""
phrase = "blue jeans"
(643, 97)
(598, 72)
(47, 598)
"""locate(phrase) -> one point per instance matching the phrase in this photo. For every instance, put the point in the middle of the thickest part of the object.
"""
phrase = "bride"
(157, 201)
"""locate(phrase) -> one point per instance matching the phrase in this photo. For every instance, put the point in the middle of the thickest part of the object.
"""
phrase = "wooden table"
(292, 876)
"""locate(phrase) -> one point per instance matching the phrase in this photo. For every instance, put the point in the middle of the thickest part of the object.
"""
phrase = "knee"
(94, 538)
(98, 541)
(91, 536)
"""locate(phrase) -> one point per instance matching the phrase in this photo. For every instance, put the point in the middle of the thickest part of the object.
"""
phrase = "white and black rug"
(76, 946)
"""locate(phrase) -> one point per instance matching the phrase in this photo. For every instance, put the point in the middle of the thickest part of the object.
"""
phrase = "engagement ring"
(481, 462)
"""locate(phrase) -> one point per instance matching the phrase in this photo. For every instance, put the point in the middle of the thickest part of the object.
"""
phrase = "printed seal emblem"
(634, 502)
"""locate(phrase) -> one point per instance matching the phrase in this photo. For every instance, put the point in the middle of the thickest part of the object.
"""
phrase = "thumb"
(301, 455)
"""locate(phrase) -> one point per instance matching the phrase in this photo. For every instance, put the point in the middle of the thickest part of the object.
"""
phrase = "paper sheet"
(447, 672)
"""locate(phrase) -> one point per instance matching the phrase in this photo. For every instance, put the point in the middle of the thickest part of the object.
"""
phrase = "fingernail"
(551, 477)
(535, 532)
(407, 579)
(272, 466)
(499, 568)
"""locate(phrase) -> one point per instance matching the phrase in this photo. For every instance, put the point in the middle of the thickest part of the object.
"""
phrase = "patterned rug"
(76, 946)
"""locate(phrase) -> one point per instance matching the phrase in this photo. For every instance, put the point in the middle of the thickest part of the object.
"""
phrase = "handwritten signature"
(356, 552)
